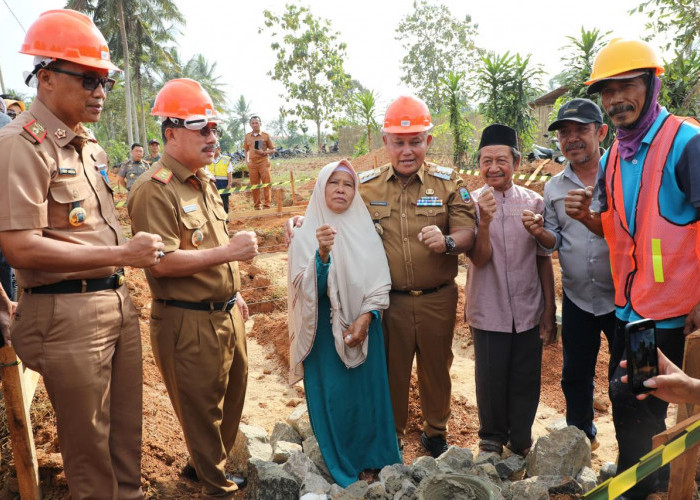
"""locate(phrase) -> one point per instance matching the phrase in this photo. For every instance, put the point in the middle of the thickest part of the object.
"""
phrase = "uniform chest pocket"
(194, 231)
(379, 212)
(64, 197)
(429, 216)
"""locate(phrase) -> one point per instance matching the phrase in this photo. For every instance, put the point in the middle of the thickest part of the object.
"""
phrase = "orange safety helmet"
(69, 35)
(184, 98)
(406, 115)
(619, 58)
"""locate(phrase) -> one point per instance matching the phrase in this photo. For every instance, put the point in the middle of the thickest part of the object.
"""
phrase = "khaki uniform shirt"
(131, 170)
(255, 159)
(46, 172)
(400, 212)
(186, 211)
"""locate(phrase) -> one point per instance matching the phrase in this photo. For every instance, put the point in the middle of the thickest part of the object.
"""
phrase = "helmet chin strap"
(649, 83)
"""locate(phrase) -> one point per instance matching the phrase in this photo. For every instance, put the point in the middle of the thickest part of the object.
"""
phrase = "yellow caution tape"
(652, 461)
(520, 177)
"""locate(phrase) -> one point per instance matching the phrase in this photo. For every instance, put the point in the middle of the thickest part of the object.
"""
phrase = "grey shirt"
(583, 256)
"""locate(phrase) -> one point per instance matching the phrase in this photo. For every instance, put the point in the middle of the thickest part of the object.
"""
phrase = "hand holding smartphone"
(642, 359)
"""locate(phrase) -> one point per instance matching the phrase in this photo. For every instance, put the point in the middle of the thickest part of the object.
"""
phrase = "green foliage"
(507, 84)
(435, 42)
(364, 108)
(452, 87)
(117, 151)
(309, 64)
(578, 58)
(678, 18)
(362, 146)
(679, 89)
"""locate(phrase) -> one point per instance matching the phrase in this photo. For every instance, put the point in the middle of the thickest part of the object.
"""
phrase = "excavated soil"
(269, 398)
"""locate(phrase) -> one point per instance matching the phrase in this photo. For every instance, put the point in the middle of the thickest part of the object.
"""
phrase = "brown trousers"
(260, 174)
(421, 326)
(203, 359)
(88, 349)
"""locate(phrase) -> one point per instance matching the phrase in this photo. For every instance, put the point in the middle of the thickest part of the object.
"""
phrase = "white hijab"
(358, 277)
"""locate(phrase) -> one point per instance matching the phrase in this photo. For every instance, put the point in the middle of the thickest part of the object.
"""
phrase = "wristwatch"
(449, 245)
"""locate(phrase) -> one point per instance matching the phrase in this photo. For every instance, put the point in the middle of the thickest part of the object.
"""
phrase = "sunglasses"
(197, 122)
(90, 82)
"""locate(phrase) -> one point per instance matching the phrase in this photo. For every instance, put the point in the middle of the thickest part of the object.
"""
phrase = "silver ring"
(160, 254)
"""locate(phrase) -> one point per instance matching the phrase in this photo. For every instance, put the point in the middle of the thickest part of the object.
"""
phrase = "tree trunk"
(142, 114)
(135, 114)
(318, 135)
(369, 137)
(127, 76)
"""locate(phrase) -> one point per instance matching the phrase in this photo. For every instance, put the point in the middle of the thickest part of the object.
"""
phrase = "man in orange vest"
(647, 207)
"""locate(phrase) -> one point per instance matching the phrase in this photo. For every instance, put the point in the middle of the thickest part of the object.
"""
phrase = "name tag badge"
(66, 171)
(378, 203)
(190, 208)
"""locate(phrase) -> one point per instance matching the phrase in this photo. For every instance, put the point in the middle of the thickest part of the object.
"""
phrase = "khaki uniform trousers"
(260, 174)
(88, 349)
(203, 359)
(422, 326)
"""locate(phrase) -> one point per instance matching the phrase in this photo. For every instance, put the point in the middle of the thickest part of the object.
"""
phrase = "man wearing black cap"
(648, 208)
(588, 304)
(510, 298)
(153, 151)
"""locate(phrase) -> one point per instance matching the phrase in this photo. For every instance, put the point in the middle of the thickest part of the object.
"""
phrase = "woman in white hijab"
(338, 284)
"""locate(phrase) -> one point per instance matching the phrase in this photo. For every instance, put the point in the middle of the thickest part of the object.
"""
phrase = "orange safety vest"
(656, 269)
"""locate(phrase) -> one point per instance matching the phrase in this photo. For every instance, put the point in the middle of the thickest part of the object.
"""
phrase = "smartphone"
(642, 361)
(258, 144)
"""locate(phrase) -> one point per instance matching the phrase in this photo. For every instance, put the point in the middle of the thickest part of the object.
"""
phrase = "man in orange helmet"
(647, 206)
(75, 323)
(197, 313)
(425, 218)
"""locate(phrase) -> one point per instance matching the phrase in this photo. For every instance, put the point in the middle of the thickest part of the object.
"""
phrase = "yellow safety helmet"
(619, 59)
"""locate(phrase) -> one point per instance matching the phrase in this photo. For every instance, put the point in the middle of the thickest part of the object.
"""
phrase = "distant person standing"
(258, 147)
(153, 151)
(222, 170)
(14, 107)
(132, 169)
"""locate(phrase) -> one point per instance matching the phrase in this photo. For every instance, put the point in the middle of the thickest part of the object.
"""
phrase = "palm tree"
(242, 111)
(365, 104)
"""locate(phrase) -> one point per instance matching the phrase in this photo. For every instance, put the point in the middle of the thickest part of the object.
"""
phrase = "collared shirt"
(583, 255)
(679, 195)
(132, 170)
(399, 218)
(152, 159)
(506, 292)
(187, 212)
(256, 159)
(47, 171)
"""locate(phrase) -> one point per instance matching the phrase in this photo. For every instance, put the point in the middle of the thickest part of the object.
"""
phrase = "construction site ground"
(269, 399)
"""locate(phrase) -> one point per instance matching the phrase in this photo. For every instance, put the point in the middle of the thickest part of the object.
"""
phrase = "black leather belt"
(417, 293)
(82, 286)
(201, 306)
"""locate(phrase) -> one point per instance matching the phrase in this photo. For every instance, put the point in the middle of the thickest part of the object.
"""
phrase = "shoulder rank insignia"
(441, 172)
(162, 175)
(369, 174)
(36, 130)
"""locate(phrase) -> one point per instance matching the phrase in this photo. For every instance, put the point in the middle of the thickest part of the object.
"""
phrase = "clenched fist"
(432, 237)
(578, 203)
(326, 237)
(243, 246)
(487, 206)
(533, 223)
(143, 250)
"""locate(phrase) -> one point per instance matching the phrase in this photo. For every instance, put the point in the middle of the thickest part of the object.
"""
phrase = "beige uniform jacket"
(186, 211)
(46, 172)
(255, 159)
(433, 196)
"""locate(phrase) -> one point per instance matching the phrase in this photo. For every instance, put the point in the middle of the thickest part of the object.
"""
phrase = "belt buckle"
(415, 293)
(228, 305)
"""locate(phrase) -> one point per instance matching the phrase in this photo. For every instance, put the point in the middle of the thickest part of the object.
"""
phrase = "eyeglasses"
(90, 82)
(11, 114)
(198, 122)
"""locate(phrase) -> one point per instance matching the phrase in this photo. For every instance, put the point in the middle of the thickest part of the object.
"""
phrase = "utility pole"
(2, 82)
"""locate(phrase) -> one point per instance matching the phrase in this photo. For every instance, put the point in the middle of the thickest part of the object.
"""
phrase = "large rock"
(269, 480)
(587, 479)
(356, 491)
(314, 483)
(252, 443)
(283, 450)
(393, 477)
(566, 485)
(557, 425)
(299, 465)
(299, 420)
(607, 470)
(511, 467)
(456, 460)
(312, 450)
(423, 467)
(407, 491)
(376, 491)
(561, 453)
(531, 488)
(486, 471)
(284, 432)
(452, 486)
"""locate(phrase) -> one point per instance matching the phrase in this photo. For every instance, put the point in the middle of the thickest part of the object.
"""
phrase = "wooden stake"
(291, 178)
(535, 173)
(279, 201)
(17, 401)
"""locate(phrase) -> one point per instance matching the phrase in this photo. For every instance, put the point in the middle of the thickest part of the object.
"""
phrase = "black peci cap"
(498, 135)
